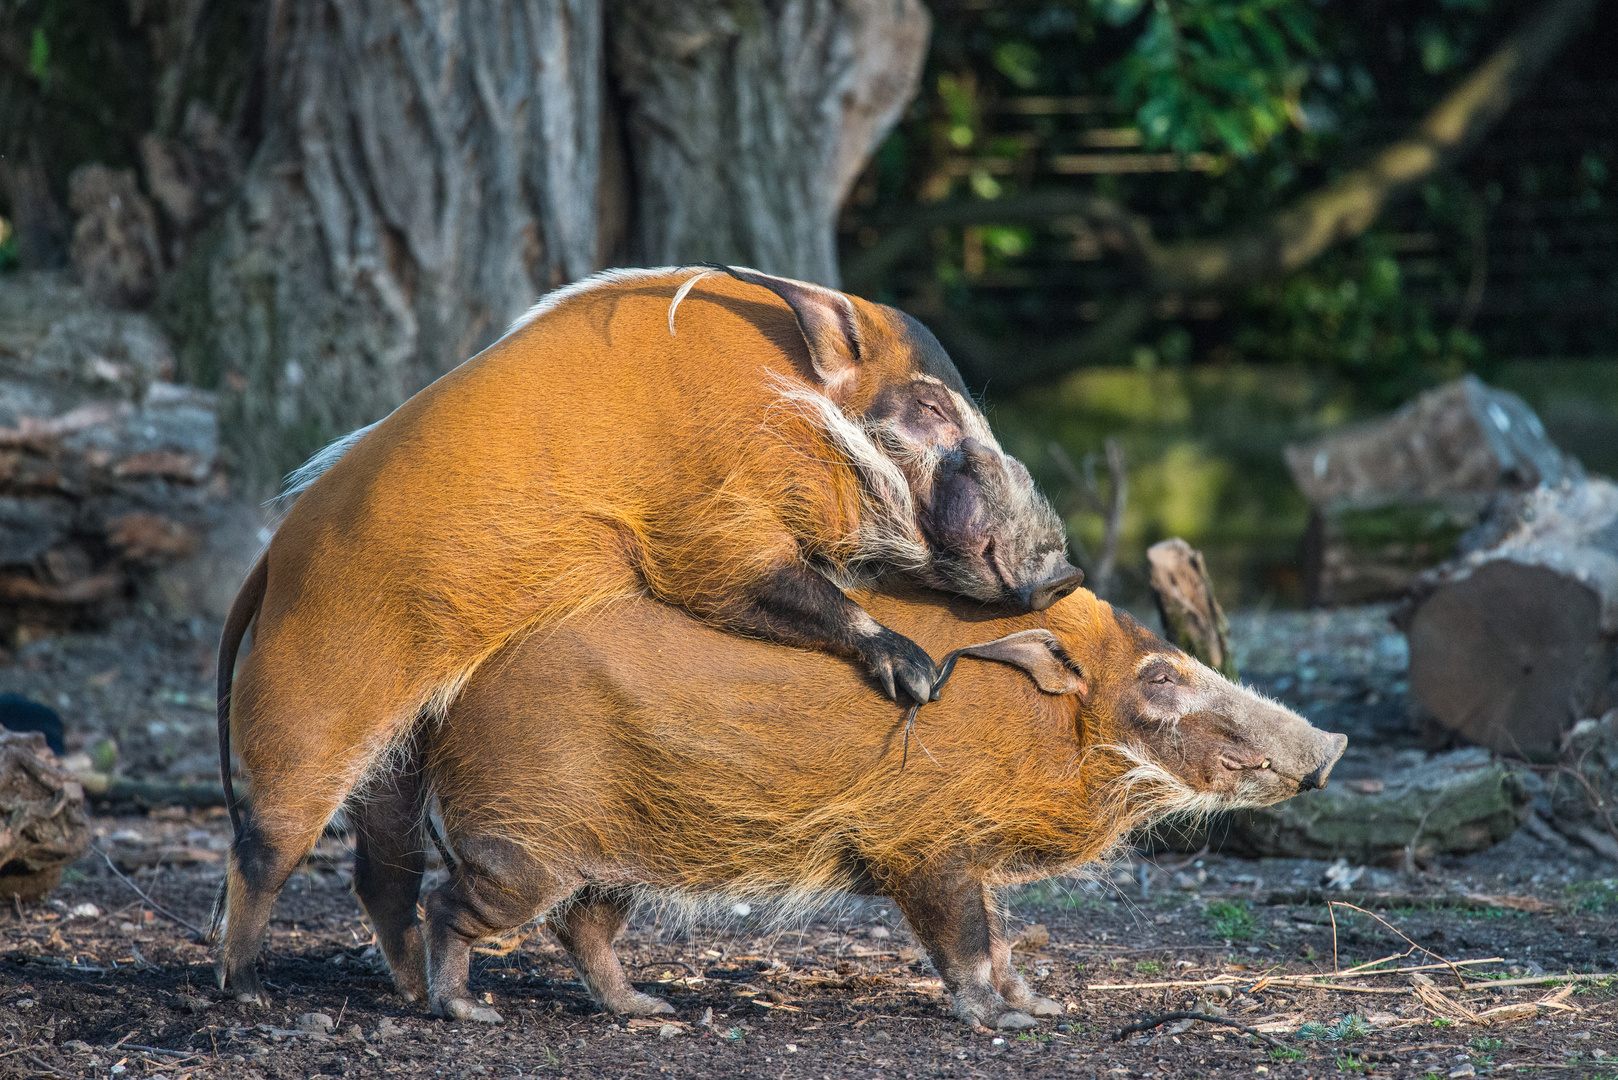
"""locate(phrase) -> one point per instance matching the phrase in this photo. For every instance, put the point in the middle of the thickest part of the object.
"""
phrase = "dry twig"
(1207, 1018)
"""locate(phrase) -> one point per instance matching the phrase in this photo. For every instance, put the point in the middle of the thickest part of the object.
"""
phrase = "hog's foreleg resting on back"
(947, 909)
(794, 605)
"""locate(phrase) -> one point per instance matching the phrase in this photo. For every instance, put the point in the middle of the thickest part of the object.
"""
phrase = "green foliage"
(8, 246)
(1485, 1043)
(1232, 920)
(1150, 967)
(1350, 314)
(1594, 897)
(1345, 1029)
(1221, 74)
(1285, 1053)
(1350, 1063)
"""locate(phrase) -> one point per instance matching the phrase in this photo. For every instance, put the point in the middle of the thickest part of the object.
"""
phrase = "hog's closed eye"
(1162, 677)
(932, 408)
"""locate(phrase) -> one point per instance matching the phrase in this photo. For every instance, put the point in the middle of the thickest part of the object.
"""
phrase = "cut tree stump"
(1516, 640)
(1192, 618)
(43, 822)
(1390, 497)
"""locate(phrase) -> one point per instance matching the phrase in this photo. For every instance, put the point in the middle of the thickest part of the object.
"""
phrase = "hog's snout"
(1040, 595)
(1316, 778)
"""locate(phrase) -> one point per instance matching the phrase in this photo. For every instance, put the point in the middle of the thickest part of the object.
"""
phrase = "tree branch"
(1290, 237)
(1294, 236)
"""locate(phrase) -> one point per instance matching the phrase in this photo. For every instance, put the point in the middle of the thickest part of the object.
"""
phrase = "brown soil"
(131, 990)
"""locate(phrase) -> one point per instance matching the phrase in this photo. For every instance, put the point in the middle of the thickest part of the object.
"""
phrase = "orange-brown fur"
(644, 740)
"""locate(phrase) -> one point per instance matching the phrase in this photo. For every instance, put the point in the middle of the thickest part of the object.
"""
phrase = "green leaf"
(39, 55)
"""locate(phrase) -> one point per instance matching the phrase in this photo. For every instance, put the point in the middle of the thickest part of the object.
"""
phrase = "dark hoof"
(901, 667)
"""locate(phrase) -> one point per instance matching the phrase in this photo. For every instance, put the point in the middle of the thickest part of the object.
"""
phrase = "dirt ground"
(105, 981)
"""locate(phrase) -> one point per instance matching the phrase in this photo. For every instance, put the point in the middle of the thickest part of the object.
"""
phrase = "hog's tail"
(247, 604)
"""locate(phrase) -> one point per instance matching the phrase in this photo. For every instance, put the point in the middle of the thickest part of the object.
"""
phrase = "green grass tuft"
(1232, 920)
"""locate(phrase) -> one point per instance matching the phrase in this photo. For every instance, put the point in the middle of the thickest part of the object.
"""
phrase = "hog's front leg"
(949, 912)
(794, 605)
(1012, 986)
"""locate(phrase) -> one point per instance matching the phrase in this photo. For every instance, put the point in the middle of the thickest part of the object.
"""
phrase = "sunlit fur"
(643, 749)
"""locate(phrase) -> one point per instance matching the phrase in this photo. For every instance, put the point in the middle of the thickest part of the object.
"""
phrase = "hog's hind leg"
(389, 861)
(586, 927)
(948, 911)
(496, 886)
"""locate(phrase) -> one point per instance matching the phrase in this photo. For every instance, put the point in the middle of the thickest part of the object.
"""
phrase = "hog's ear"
(829, 325)
(1038, 653)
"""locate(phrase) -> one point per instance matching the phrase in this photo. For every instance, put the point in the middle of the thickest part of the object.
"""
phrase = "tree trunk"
(43, 825)
(1515, 641)
(428, 170)
(747, 123)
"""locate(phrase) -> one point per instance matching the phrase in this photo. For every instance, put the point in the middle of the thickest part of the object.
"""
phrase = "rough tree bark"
(1192, 618)
(747, 123)
(427, 170)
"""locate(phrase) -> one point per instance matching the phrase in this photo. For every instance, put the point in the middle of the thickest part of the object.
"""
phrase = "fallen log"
(109, 472)
(1455, 803)
(1516, 639)
(43, 823)
(1391, 497)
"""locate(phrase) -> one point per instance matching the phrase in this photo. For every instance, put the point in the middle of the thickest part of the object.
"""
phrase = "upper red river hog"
(741, 446)
(640, 754)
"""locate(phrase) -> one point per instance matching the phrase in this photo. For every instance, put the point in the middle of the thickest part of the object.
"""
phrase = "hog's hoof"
(1040, 1006)
(407, 991)
(462, 1009)
(1014, 1021)
(636, 1003)
(243, 984)
(900, 666)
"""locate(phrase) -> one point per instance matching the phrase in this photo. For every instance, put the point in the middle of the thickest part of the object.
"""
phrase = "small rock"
(316, 1023)
(1218, 993)
(84, 911)
(999, 1041)
(191, 1003)
(76, 1046)
(1462, 1070)
(667, 1031)
(386, 1028)
(1033, 939)
(879, 1036)
(707, 1018)
(353, 1032)
(792, 1048)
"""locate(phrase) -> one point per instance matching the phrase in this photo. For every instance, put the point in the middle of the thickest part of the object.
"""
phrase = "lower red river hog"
(641, 754)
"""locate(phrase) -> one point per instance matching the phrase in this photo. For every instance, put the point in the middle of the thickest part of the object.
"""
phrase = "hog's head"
(1181, 738)
(1196, 742)
(886, 392)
